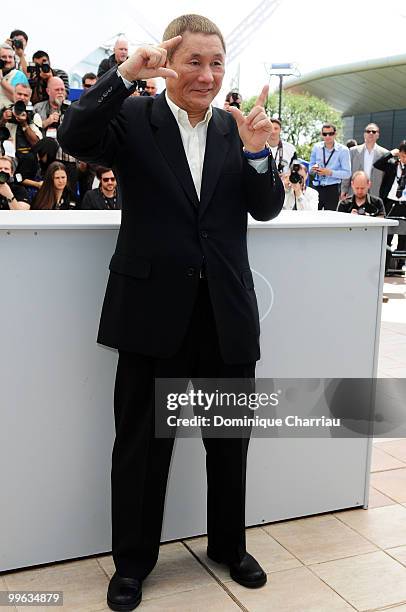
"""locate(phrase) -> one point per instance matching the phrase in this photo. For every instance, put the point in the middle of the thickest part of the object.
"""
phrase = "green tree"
(302, 118)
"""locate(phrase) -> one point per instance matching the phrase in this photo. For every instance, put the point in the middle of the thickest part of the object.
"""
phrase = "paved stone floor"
(349, 560)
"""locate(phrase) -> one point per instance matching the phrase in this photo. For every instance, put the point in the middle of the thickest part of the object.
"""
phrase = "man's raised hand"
(256, 127)
(149, 62)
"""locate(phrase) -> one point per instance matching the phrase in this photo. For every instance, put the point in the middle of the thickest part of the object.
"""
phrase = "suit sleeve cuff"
(260, 165)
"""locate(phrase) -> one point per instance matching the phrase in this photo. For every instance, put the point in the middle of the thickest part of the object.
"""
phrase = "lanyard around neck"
(329, 157)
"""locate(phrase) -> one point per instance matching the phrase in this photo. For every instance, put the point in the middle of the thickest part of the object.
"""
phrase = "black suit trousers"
(140, 462)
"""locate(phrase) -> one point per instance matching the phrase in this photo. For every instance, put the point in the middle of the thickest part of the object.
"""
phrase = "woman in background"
(54, 193)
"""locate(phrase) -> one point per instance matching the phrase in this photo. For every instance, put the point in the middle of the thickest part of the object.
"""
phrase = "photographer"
(9, 75)
(362, 203)
(12, 195)
(18, 40)
(40, 73)
(393, 188)
(233, 98)
(297, 195)
(283, 152)
(24, 127)
(51, 112)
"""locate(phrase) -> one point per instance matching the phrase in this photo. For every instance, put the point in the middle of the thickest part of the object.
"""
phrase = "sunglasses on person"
(327, 133)
(370, 131)
(106, 180)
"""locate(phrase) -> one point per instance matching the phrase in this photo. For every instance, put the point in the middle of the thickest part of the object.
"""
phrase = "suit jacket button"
(191, 271)
(204, 234)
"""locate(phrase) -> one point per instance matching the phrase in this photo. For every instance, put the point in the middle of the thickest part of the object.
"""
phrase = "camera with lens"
(16, 43)
(5, 177)
(140, 87)
(235, 96)
(294, 176)
(2, 64)
(35, 69)
(19, 108)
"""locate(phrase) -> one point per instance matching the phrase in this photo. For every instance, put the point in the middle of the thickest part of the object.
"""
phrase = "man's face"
(7, 55)
(402, 157)
(88, 83)
(199, 61)
(108, 182)
(5, 166)
(22, 93)
(360, 186)
(121, 51)
(328, 134)
(371, 134)
(151, 87)
(275, 131)
(56, 91)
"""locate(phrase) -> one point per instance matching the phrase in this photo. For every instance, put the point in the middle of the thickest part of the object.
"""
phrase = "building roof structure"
(363, 87)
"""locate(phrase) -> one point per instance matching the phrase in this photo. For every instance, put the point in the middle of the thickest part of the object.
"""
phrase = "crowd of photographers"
(35, 173)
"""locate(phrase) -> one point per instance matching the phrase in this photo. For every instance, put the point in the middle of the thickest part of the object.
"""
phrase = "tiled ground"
(349, 560)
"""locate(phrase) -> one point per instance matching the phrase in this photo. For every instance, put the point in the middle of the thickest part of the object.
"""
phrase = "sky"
(311, 35)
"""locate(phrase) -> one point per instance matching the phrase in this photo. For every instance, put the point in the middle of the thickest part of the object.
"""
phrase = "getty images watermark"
(216, 400)
(337, 408)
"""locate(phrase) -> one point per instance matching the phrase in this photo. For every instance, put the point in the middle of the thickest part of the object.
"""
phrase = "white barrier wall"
(318, 278)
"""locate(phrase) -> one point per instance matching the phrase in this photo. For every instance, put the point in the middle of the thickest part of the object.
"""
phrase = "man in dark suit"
(180, 301)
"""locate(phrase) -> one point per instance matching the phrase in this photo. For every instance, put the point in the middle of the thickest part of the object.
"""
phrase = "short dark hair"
(351, 143)
(372, 123)
(276, 120)
(402, 146)
(15, 33)
(329, 125)
(102, 170)
(196, 24)
(89, 75)
(39, 54)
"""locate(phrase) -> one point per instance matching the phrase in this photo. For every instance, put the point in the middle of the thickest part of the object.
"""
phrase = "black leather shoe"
(124, 593)
(247, 572)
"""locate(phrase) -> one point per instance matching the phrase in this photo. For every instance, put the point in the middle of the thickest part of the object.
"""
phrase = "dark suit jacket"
(388, 164)
(166, 233)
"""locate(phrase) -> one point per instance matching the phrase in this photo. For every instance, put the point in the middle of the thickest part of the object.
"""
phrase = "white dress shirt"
(194, 140)
(368, 161)
(308, 200)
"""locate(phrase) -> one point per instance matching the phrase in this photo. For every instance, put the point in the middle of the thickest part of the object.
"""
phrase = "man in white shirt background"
(283, 152)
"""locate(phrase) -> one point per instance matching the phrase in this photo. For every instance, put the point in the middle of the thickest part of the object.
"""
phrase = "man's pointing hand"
(256, 127)
(149, 62)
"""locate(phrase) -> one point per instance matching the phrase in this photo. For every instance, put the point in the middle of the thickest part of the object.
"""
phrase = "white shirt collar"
(181, 115)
